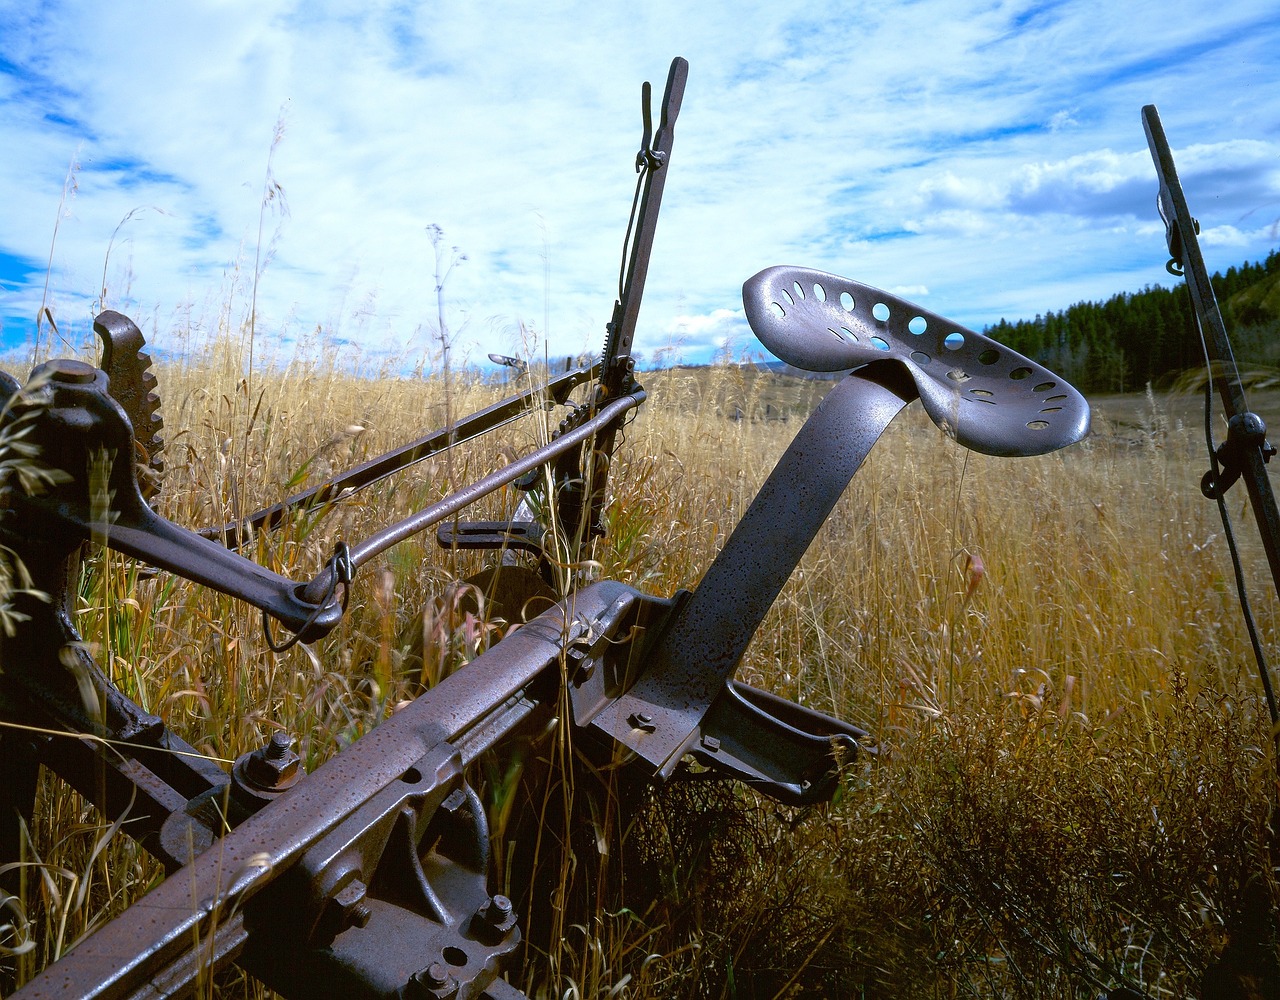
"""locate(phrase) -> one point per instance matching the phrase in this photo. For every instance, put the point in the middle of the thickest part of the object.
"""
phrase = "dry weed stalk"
(1070, 789)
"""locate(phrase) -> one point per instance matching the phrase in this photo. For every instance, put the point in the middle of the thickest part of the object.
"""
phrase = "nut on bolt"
(346, 908)
(642, 721)
(495, 918)
(432, 982)
(497, 911)
(350, 901)
(272, 768)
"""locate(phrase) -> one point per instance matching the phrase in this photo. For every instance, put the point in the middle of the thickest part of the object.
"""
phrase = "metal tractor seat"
(991, 399)
(987, 397)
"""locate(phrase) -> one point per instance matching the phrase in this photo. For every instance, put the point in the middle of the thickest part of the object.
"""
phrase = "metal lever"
(1251, 455)
(81, 422)
(622, 327)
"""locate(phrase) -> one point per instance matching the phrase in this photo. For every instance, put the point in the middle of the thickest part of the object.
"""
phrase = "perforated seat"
(990, 398)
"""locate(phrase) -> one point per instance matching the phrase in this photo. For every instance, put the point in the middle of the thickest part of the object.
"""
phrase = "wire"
(94, 738)
(1241, 590)
(626, 240)
(340, 570)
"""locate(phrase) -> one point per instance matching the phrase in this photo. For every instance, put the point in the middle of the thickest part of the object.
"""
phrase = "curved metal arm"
(82, 419)
(81, 426)
(701, 649)
(986, 396)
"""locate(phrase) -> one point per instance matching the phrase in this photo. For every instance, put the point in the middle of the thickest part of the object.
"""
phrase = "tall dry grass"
(1073, 789)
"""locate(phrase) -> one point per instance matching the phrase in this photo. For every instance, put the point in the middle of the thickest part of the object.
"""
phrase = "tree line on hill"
(1136, 338)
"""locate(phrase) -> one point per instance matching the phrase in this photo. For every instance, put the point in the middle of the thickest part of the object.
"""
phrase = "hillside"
(1259, 303)
(1149, 336)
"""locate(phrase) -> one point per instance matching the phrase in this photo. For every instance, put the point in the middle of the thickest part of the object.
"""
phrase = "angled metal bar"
(147, 950)
(236, 533)
(74, 428)
(702, 647)
(1248, 433)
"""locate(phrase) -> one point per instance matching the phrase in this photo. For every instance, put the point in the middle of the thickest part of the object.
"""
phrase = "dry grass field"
(1074, 788)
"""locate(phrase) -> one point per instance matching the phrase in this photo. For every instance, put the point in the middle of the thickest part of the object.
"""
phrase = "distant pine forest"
(1150, 337)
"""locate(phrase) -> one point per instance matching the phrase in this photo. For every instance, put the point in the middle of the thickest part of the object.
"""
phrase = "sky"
(190, 162)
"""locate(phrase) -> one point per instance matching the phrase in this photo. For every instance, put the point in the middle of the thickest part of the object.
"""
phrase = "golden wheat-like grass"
(1073, 788)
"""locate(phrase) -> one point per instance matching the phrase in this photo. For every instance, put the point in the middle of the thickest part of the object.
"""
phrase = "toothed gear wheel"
(133, 386)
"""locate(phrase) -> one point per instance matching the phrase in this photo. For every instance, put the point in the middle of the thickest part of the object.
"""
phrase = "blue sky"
(984, 158)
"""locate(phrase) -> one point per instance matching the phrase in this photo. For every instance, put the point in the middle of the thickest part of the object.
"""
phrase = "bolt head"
(351, 904)
(279, 746)
(437, 974)
(494, 919)
(71, 372)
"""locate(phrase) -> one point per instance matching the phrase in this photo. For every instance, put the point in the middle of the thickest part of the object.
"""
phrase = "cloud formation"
(991, 153)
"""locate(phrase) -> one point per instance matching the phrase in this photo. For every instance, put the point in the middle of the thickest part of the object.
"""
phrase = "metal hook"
(1173, 237)
(647, 158)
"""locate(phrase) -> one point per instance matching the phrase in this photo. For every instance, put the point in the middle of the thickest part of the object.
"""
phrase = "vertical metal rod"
(647, 222)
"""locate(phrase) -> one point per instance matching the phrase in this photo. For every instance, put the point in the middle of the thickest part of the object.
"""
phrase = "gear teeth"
(610, 343)
(134, 387)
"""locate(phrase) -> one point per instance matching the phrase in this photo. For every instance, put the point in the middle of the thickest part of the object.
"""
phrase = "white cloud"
(1060, 120)
(1001, 162)
(948, 191)
(702, 326)
(704, 335)
(1225, 236)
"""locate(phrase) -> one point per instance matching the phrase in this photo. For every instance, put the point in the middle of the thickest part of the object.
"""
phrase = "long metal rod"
(468, 495)
(1223, 370)
(425, 518)
(375, 470)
